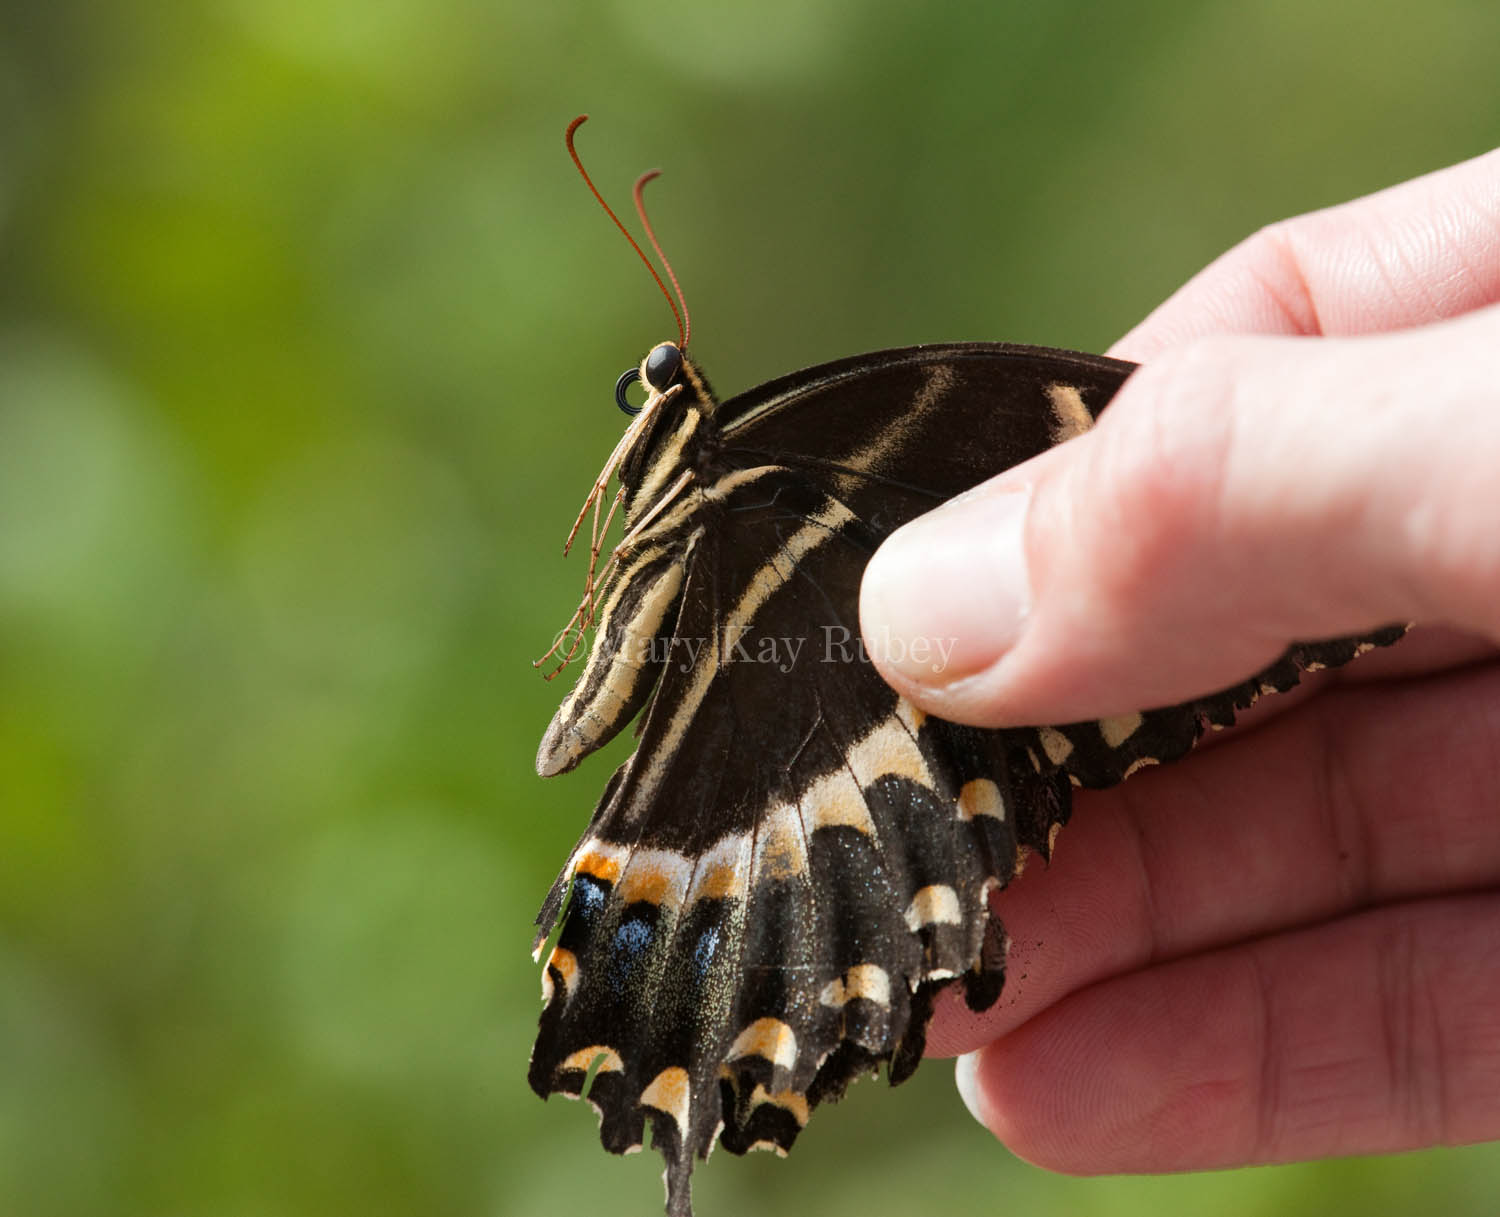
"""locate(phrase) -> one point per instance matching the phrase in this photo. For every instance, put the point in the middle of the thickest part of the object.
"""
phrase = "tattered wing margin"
(760, 1105)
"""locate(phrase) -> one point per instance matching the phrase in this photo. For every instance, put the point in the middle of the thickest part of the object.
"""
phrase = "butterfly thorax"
(666, 465)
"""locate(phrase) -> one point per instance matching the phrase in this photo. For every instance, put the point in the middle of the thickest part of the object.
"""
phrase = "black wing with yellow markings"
(794, 861)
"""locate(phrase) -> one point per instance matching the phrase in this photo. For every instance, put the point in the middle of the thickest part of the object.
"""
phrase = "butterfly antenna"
(685, 322)
(589, 182)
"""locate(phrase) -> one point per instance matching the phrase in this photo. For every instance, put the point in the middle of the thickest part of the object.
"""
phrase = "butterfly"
(796, 861)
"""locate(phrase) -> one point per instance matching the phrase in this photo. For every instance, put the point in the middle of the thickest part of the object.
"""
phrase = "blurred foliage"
(307, 335)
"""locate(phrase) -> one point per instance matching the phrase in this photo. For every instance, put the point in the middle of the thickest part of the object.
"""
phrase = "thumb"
(1240, 493)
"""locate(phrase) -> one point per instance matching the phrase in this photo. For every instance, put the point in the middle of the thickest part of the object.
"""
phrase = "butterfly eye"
(627, 379)
(662, 366)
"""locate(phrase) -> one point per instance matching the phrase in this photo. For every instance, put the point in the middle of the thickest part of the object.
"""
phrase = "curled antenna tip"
(684, 321)
(682, 324)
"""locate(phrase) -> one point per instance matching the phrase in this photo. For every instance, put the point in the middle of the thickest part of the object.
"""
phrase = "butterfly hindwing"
(787, 867)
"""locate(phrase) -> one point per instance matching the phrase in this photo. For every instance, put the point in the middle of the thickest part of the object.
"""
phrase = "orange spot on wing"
(599, 866)
(720, 881)
(644, 883)
(565, 963)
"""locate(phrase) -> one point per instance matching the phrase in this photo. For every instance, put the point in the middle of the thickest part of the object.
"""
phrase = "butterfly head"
(662, 366)
(659, 371)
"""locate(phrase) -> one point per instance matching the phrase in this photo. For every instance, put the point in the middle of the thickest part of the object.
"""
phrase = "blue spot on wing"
(630, 940)
(589, 895)
(703, 953)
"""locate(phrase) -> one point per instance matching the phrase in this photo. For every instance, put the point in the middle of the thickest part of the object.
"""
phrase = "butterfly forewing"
(897, 432)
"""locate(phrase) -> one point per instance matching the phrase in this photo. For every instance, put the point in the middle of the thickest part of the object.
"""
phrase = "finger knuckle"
(1412, 1041)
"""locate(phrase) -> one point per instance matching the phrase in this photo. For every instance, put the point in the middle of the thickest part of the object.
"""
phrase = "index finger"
(1415, 253)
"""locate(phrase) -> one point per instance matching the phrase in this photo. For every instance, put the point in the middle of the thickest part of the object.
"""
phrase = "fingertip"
(948, 594)
(966, 1078)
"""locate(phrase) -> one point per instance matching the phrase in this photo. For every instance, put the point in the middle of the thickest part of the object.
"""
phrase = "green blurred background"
(308, 332)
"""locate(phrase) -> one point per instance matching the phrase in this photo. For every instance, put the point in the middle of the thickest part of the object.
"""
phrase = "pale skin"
(1286, 946)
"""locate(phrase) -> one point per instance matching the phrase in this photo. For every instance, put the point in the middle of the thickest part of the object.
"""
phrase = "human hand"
(1287, 945)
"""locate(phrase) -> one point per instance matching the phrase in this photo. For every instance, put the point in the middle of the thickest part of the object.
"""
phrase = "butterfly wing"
(790, 865)
(794, 861)
(897, 432)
